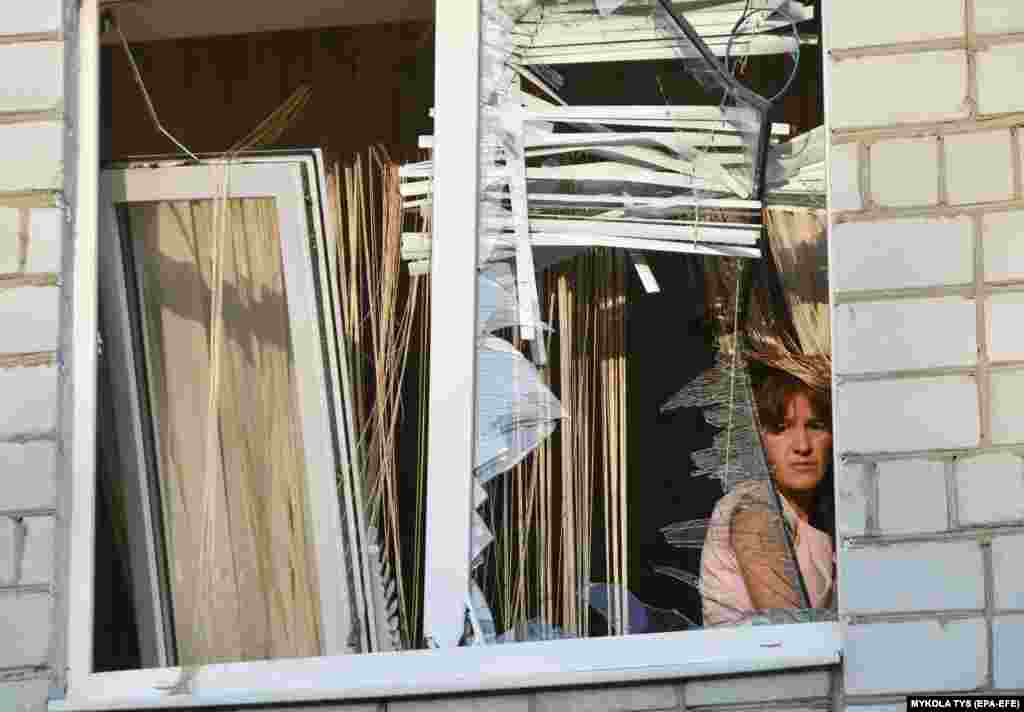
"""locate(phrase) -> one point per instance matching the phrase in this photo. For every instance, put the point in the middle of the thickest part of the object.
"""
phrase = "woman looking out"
(746, 565)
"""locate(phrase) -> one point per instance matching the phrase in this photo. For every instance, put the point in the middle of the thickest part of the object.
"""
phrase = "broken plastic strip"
(607, 7)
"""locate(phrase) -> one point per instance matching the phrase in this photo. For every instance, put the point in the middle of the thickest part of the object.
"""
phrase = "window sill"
(464, 670)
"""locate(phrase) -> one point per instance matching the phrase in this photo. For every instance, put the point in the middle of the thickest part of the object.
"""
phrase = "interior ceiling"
(150, 20)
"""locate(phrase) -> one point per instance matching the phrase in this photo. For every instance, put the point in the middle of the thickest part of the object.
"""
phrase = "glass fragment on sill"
(643, 618)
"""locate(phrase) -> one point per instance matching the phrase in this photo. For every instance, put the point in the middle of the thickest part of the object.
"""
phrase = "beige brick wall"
(926, 234)
(31, 235)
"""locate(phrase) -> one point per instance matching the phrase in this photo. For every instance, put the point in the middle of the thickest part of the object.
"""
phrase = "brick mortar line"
(952, 494)
(867, 200)
(970, 43)
(964, 534)
(984, 375)
(24, 673)
(32, 359)
(940, 615)
(11, 118)
(30, 198)
(31, 37)
(24, 237)
(966, 290)
(29, 512)
(837, 688)
(23, 438)
(927, 211)
(923, 373)
(982, 43)
(971, 47)
(883, 132)
(16, 280)
(988, 567)
(850, 457)
(942, 170)
(1018, 187)
(871, 519)
(9, 589)
(680, 692)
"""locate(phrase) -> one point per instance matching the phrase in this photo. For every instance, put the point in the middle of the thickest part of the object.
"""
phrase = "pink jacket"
(723, 590)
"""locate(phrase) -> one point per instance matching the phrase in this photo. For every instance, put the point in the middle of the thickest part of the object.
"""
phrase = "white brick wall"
(979, 167)
(11, 532)
(1007, 396)
(890, 162)
(995, 16)
(30, 17)
(42, 252)
(870, 423)
(843, 171)
(609, 699)
(1004, 251)
(24, 696)
(31, 319)
(854, 489)
(883, 255)
(30, 400)
(509, 703)
(1007, 556)
(999, 67)
(24, 629)
(37, 561)
(26, 550)
(908, 647)
(31, 76)
(1008, 644)
(914, 656)
(886, 90)
(32, 156)
(990, 488)
(903, 22)
(31, 80)
(904, 334)
(27, 475)
(758, 688)
(922, 482)
(1006, 340)
(913, 577)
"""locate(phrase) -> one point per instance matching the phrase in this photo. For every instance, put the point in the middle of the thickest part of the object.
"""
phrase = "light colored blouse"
(724, 593)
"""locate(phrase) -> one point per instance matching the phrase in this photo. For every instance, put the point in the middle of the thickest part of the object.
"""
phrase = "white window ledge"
(460, 670)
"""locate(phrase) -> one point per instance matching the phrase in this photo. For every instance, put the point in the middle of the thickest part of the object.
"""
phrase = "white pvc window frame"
(286, 181)
(452, 436)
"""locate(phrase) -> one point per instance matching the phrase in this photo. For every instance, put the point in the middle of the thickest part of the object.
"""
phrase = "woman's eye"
(817, 425)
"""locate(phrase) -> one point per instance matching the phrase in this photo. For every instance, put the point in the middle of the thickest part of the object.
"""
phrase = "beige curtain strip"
(381, 306)
(798, 241)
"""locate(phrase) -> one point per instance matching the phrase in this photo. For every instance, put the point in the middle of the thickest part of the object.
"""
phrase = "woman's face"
(800, 450)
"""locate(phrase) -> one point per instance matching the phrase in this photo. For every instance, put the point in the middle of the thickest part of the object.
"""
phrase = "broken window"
(624, 169)
(627, 269)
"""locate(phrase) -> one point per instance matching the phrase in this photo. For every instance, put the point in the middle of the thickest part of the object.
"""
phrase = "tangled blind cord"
(110, 18)
(732, 374)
